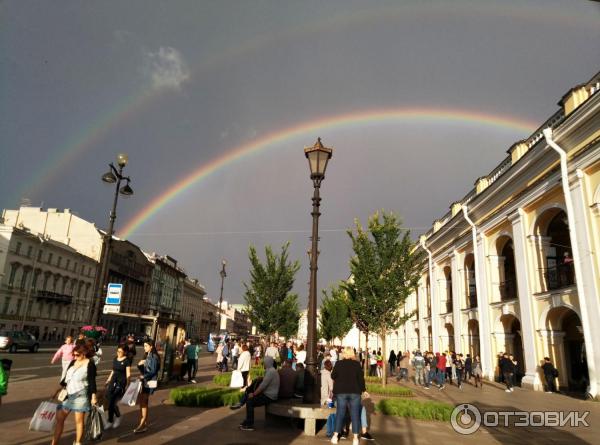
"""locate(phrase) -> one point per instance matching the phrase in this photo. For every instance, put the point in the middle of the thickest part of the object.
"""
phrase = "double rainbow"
(308, 130)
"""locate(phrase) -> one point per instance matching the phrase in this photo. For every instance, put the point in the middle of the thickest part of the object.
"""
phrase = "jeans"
(259, 400)
(192, 368)
(351, 401)
(441, 376)
(403, 374)
(459, 374)
(392, 368)
(430, 377)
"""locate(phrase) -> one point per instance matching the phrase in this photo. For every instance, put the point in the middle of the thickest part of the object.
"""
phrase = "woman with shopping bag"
(80, 385)
(116, 383)
(149, 368)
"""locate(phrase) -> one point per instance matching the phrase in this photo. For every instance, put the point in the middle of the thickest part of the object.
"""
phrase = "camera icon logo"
(465, 418)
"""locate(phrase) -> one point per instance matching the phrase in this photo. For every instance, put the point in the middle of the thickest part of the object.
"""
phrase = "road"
(28, 365)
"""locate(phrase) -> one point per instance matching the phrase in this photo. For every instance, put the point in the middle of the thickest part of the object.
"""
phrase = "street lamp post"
(113, 176)
(318, 156)
(223, 275)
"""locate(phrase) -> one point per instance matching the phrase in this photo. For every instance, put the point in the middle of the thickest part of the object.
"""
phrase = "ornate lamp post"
(114, 175)
(318, 156)
(223, 275)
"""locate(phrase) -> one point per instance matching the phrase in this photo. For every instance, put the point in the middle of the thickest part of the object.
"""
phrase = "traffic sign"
(111, 309)
(113, 294)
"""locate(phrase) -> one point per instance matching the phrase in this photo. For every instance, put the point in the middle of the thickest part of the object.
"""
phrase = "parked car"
(12, 341)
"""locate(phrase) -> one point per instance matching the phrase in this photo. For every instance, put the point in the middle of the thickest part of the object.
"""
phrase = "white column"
(526, 308)
(457, 298)
(422, 302)
(587, 290)
(435, 310)
(485, 338)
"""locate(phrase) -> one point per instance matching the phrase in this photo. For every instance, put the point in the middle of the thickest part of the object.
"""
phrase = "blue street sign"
(113, 294)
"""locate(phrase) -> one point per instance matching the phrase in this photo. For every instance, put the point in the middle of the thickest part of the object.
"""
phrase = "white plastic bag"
(237, 381)
(103, 416)
(132, 393)
(44, 418)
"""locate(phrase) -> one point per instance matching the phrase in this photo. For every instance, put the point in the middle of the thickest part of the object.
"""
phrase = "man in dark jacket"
(550, 374)
(468, 368)
(507, 368)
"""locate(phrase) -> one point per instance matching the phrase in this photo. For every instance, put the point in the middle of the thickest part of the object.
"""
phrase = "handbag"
(152, 384)
(93, 425)
(44, 418)
(237, 380)
(62, 395)
(132, 393)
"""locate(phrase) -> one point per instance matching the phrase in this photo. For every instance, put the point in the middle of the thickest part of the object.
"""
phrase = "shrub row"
(415, 409)
(389, 390)
(224, 378)
(200, 396)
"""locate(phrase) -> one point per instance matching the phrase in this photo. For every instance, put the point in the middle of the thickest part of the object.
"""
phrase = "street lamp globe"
(318, 156)
(122, 159)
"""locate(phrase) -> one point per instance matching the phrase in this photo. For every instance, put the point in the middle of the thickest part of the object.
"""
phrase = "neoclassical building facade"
(513, 266)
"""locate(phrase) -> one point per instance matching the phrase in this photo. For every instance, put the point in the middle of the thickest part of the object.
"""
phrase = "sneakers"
(140, 429)
(355, 440)
(366, 436)
(334, 438)
(245, 427)
(426, 387)
(109, 425)
(235, 406)
(116, 423)
(512, 389)
(507, 390)
(193, 381)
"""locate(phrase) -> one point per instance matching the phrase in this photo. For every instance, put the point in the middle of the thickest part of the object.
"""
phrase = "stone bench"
(295, 409)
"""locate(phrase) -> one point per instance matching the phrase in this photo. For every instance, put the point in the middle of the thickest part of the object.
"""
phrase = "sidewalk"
(173, 425)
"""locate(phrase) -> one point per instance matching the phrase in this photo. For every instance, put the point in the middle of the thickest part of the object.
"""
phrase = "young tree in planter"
(334, 320)
(269, 302)
(385, 271)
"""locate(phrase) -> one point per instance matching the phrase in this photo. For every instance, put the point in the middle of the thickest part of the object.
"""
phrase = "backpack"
(554, 372)
(330, 425)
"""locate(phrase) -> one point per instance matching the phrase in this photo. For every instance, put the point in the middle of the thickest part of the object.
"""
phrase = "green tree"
(269, 302)
(334, 320)
(385, 270)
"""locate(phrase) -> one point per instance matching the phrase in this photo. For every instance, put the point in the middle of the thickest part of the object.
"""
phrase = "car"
(12, 341)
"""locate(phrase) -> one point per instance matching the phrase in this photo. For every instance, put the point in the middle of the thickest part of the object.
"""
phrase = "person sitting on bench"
(266, 393)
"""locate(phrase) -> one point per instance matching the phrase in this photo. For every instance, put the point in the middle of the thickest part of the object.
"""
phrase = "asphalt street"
(33, 365)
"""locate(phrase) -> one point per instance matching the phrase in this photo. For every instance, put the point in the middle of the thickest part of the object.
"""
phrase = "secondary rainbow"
(309, 129)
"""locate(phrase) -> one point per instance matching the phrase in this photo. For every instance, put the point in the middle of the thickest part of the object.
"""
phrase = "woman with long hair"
(80, 383)
(149, 368)
(116, 384)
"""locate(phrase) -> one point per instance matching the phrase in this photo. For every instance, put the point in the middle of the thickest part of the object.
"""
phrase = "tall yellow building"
(513, 266)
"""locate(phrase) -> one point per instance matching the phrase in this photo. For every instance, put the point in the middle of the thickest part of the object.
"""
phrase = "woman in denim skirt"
(80, 383)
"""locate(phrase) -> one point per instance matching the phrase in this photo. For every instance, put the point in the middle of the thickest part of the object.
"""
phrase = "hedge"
(389, 390)
(415, 409)
(224, 378)
(200, 396)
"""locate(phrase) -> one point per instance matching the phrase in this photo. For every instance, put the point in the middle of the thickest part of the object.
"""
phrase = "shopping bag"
(44, 418)
(237, 381)
(103, 416)
(93, 425)
(132, 393)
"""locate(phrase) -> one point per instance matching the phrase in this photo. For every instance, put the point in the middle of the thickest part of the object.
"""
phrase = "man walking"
(507, 368)
(192, 352)
(550, 375)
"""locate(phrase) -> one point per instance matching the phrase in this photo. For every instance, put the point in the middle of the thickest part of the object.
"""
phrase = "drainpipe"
(587, 334)
(484, 330)
(434, 309)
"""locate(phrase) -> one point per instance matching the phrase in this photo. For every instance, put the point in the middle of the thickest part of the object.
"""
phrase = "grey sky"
(178, 84)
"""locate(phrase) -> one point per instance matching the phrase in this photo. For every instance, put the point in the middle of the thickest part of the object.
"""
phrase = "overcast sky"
(179, 84)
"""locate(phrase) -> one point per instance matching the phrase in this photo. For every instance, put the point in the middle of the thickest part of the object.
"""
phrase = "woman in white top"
(244, 363)
(301, 355)
(80, 383)
(326, 383)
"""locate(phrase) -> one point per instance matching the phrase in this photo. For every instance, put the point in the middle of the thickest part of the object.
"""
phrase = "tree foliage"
(270, 304)
(335, 320)
(385, 270)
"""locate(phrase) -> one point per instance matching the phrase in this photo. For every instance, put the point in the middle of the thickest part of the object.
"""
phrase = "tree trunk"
(383, 356)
